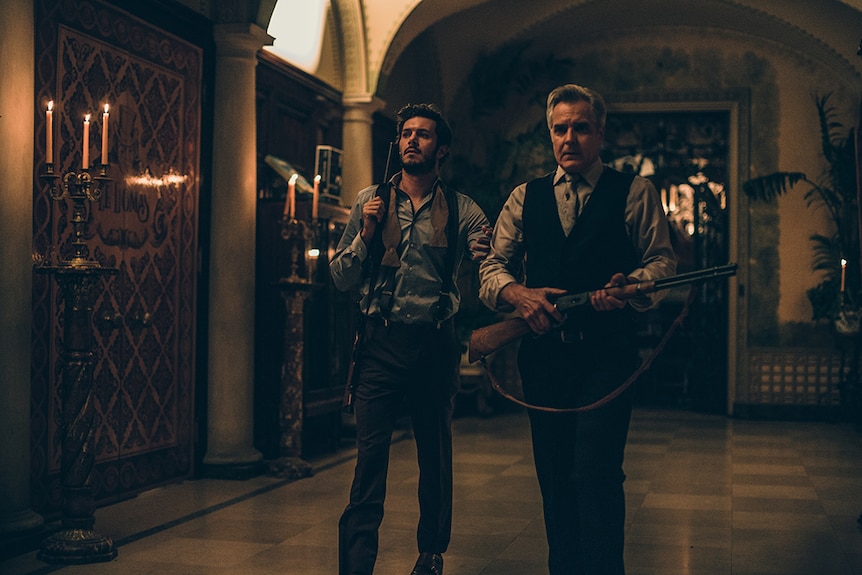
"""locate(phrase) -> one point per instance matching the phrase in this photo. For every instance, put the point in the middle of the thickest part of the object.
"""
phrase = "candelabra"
(78, 278)
(297, 235)
(301, 244)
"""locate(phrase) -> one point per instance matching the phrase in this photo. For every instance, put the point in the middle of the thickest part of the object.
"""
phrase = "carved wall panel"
(145, 225)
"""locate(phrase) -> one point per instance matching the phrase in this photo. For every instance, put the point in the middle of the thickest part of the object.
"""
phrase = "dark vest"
(597, 247)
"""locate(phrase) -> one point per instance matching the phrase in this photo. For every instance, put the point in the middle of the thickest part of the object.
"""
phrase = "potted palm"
(836, 297)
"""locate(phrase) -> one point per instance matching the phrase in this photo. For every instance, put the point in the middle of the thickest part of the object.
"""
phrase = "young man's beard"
(417, 168)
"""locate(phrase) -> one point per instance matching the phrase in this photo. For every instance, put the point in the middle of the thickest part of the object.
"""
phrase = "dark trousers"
(402, 367)
(579, 456)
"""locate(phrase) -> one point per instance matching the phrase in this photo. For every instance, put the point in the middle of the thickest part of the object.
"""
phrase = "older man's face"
(576, 138)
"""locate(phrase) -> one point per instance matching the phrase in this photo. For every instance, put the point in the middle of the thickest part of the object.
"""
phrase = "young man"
(411, 353)
(582, 226)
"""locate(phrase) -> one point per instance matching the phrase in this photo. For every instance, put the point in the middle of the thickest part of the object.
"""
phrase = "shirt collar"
(395, 180)
(591, 175)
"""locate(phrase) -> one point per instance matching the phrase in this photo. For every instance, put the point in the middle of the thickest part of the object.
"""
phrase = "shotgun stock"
(488, 339)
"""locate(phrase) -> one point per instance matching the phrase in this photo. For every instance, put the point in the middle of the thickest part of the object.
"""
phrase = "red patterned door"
(145, 226)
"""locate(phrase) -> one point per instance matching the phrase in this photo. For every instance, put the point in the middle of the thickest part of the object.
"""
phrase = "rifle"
(359, 338)
(490, 338)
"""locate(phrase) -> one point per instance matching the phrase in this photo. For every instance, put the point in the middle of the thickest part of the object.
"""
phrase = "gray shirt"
(645, 222)
(418, 281)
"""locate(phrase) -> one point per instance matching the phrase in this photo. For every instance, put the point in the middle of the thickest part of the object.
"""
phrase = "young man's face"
(417, 146)
(575, 137)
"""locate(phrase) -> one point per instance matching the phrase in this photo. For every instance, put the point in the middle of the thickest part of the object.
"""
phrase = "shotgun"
(490, 338)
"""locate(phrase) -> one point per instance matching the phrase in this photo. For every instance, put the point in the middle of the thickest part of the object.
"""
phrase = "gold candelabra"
(80, 187)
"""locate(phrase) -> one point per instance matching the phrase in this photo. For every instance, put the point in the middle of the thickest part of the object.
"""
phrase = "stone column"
(230, 412)
(356, 135)
(16, 212)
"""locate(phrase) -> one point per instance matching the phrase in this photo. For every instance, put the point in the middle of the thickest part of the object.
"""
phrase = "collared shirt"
(419, 279)
(645, 222)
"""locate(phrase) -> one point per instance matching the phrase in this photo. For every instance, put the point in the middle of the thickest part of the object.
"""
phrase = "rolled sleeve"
(650, 231)
(504, 264)
(472, 221)
(350, 255)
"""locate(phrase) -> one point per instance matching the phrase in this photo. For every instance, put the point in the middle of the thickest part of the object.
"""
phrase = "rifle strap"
(375, 256)
(616, 392)
(443, 302)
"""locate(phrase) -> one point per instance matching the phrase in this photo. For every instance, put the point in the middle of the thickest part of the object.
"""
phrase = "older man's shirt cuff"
(489, 293)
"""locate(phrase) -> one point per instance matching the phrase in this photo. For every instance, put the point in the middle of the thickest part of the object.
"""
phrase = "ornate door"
(145, 226)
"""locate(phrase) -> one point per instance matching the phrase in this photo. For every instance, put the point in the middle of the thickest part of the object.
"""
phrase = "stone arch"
(351, 29)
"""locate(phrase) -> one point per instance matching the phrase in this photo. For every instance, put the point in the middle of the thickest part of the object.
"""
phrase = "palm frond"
(827, 254)
(767, 188)
(831, 129)
(834, 189)
(818, 195)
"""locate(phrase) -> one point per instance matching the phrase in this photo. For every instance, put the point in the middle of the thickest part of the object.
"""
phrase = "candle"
(105, 136)
(85, 161)
(315, 196)
(49, 133)
(290, 202)
(843, 273)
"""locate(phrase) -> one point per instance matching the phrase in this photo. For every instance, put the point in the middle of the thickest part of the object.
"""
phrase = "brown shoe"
(428, 564)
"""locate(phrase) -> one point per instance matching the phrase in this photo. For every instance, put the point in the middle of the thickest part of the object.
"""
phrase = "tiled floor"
(707, 495)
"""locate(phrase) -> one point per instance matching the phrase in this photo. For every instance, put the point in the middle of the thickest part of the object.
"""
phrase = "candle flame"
(50, 105)
(106, 108)
(293, 178)
(87, 118)
(843, 262)
(317, 178)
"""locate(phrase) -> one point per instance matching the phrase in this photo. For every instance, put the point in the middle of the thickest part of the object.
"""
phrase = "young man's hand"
(373, 212)
(481, 247)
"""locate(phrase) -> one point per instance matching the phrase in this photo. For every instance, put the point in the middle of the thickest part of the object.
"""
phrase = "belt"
(571, 335)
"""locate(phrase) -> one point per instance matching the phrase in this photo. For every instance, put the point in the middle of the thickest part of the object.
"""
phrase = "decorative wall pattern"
(145, 225)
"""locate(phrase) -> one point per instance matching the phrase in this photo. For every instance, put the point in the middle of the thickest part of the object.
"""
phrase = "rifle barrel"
(388, 162)
(569, 301)
(492, 337)
(691, 277)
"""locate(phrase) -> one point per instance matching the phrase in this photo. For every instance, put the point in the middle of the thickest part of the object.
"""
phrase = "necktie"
(571, 204)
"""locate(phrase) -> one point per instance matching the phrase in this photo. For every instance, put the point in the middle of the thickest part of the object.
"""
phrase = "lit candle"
(85, 160)
(105, 136)
(843, 273)
(315, 196)
(290, 203)
(49, 133)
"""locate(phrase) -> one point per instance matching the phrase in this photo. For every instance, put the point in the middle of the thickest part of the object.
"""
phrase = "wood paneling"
(295, 114)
